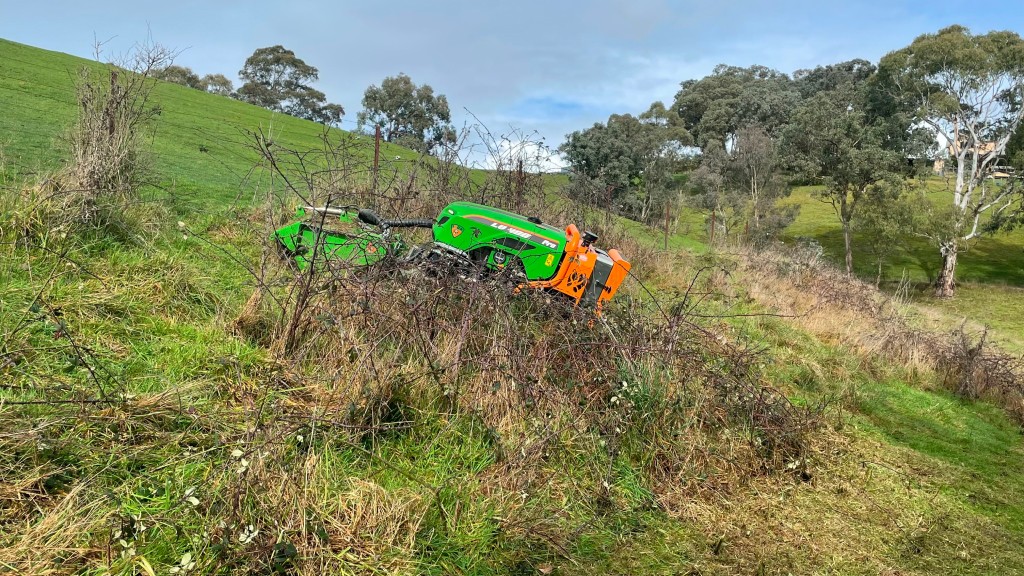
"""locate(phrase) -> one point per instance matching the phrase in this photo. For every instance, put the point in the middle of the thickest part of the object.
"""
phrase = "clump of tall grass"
(108, 163)
(828, 302)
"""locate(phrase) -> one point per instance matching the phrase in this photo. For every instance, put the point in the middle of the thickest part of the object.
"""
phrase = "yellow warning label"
(550, 260)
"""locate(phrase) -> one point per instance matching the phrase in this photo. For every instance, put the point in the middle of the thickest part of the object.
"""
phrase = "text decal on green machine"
(546, 242)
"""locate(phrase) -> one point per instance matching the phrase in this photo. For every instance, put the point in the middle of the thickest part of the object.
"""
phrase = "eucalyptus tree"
(407, 113)
(634, 156)
(275, 78)
(837, 140)
(755, 167)
(715, 107)
(969, 89)
(832, 76)
(182, 75)
(742, 185)
(217, 84)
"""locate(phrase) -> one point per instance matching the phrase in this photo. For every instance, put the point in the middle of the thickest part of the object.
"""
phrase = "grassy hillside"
(155, 419)
(990, 272)
(201, 144)
(993, 259)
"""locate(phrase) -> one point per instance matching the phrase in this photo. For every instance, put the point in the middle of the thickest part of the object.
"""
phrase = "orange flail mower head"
(588, 275)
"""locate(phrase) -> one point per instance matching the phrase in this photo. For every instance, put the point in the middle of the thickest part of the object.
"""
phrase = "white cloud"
(607, 56)
(506, 154)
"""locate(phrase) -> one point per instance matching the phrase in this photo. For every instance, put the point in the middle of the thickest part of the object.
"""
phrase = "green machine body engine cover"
(499, 238)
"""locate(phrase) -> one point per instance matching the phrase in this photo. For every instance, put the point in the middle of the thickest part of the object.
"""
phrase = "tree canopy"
(832, 77)
(715, 107)
(408, 114)
(182, 75)
(628, 153)
(218, 84)
(275, 78)
(969, 89)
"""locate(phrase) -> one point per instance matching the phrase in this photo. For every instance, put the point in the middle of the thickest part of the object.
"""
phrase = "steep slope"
(201, 143)
(152, 418)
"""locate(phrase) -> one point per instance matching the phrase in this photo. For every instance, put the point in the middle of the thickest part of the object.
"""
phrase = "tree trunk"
(945, 284)
(848, 243)
(754, 200)
(666, 224)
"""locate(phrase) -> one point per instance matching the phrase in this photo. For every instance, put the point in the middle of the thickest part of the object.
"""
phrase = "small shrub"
(108, 163)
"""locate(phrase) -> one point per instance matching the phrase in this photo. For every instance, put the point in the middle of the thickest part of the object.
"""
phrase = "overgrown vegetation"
(182, 402)
(859, 316)
(108, 160)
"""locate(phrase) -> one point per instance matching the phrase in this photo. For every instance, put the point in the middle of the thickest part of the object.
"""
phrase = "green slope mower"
(466, 236)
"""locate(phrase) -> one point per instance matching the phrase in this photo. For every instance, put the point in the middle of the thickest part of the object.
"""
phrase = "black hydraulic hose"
(414, 223)
(370, 217)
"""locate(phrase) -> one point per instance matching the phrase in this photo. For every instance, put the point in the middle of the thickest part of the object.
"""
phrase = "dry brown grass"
(376, 524)
(59, 540)
(847, 312)
(867, 510)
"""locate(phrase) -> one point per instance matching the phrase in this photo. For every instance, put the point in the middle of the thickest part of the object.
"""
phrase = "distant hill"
(200, 140)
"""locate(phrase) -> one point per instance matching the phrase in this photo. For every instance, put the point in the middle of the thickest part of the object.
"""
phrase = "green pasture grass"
(994, 259)
(965, 452)
(995, 308)
(202, 144)
(156, 316)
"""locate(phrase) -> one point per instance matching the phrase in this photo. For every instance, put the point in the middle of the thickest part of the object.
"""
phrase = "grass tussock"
(108, 165)
(845, 310)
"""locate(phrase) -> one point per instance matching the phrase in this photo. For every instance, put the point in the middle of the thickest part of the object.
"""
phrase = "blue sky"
(541, 67)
